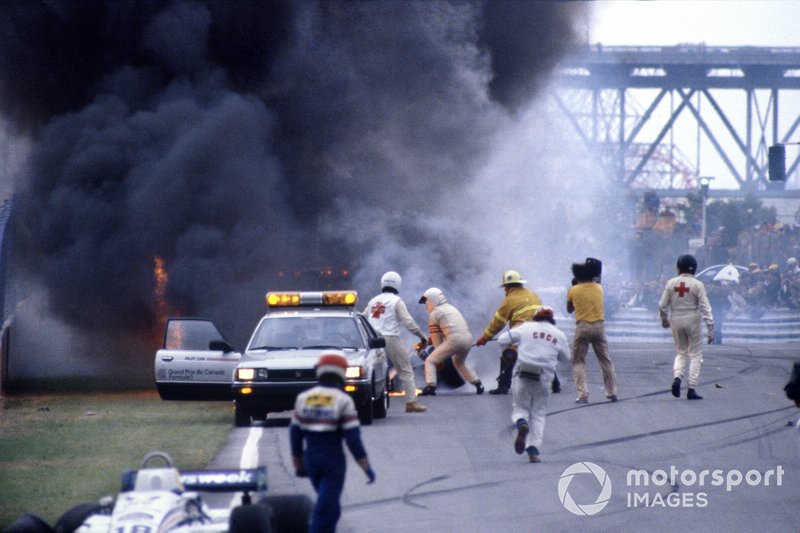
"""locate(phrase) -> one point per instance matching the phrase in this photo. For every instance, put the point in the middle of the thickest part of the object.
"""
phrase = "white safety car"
(280, 357)
(196, 363)
(160, 498)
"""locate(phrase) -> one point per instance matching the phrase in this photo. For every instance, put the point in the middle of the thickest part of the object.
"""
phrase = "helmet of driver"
(512, 277)
(686, 264)
(391, 280)
(432, 297)
(331, 363)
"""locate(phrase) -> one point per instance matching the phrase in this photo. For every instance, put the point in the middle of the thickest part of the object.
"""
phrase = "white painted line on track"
(250, 450)
(249, 458)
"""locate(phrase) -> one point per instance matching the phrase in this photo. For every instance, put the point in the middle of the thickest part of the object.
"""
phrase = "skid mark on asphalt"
(751, 365)
(646, 434)
(411, 493)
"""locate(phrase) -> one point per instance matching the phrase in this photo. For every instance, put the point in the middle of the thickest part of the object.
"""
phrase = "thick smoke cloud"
(238, 140)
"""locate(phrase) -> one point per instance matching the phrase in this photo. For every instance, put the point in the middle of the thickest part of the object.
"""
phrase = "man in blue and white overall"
(324, 416)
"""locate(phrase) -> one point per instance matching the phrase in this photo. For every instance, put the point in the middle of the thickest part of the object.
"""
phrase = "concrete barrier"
(643, 325)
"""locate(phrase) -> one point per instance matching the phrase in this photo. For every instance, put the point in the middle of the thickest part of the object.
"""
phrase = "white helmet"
(392, 280)
(433, 297)
(512, 276)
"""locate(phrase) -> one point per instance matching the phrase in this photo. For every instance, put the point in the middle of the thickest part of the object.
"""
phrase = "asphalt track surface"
(454, 468)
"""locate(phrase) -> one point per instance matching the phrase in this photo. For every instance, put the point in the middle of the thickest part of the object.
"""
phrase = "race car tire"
(76, 516)
(28, 523)
(365, 414)
(241, 417)
(291, 512)
(448, 374)
(381, 404)
(251, 519)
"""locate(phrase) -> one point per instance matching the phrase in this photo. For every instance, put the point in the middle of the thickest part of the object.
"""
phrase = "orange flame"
(163, 307)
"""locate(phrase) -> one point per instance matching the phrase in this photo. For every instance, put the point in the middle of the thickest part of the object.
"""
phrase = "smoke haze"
(240, 140)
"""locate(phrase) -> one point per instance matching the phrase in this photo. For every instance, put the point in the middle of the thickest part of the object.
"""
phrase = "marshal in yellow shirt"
(587, 300)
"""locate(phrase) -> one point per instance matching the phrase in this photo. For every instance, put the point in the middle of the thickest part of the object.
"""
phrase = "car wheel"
(28, 523)
(381, 404)
(365, 414)
(76, 516)
(241, 417)
(291, 512)
(251, 519)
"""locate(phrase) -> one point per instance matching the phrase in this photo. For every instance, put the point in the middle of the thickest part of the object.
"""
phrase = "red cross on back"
(378, 309)
(681, 289)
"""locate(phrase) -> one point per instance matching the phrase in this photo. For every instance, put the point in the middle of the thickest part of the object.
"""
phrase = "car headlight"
(251, 374)
(355, 372)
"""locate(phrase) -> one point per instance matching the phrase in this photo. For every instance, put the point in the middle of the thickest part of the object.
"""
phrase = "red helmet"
(332, 363)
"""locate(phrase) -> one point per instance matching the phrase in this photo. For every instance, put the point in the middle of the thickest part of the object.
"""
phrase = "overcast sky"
(718, 23)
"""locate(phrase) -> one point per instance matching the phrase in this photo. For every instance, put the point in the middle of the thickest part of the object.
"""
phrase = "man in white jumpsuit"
(683, 303)
(541, 347)
(386, 313)
(450, 336)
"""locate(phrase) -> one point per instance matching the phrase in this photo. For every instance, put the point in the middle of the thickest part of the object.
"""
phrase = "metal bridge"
(624, 103)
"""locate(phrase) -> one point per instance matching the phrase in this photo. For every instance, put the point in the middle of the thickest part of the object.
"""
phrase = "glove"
(423, 342)
(370, 475)
(664, 323)
(481, 341)
(710, 335)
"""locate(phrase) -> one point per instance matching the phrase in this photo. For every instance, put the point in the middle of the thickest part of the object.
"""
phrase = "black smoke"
(240, 140)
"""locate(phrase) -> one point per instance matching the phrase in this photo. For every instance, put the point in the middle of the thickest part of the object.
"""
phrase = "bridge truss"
(625, 104)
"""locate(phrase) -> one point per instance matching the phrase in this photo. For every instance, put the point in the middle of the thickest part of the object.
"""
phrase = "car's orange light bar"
(324, 298)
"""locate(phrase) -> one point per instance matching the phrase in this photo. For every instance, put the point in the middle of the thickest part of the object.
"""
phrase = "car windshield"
(307, 332)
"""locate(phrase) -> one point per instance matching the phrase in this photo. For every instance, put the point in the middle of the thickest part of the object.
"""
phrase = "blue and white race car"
(163, 499)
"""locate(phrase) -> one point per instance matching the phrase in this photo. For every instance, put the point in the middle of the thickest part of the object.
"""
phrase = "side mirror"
(377, 342)
(220, 346)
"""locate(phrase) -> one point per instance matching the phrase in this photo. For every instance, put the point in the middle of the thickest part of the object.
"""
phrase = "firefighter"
(386, 313)
(683, 299)
(585, 299)
(324, 416)
(541, 347)
(450, 337)
(518, 306)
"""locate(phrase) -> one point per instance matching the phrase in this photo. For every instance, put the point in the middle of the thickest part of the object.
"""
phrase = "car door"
(195, 362)
(378, 357)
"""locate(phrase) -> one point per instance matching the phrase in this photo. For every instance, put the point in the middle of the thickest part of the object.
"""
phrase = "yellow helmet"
(512, 276)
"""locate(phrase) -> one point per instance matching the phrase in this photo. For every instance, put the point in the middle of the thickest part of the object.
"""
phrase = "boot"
(429, 390)
(556, 385)
(478, 387)
(499, 390)
(692, 395)
(414, 407)
(522, 434)
(533, 454)
(676, 387)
